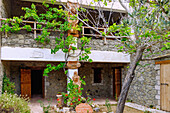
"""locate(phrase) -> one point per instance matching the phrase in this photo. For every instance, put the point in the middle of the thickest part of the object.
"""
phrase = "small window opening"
(97, 75)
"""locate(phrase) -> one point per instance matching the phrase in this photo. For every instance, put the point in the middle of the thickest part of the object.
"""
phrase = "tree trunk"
(128, 80)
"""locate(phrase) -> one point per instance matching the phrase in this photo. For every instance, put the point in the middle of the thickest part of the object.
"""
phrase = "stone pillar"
(73, 63)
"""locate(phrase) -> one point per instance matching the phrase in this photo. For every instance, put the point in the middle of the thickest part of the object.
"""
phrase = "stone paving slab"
(143, 108)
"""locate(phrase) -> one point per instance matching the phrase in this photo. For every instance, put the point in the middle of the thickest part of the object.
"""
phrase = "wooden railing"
(34, 29)
(97, 35)
(110, 36)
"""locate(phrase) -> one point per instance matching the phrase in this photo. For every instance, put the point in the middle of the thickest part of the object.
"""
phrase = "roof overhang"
(37, 54)
(115, 6)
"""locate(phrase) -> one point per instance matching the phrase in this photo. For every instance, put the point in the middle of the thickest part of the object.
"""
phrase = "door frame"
(43, 78)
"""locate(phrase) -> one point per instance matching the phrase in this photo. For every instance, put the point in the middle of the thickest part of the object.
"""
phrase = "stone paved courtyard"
(130, 107)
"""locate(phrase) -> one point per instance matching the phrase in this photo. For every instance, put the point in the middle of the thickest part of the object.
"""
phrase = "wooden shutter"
(117, 81)
(26, 82)
(165, 87)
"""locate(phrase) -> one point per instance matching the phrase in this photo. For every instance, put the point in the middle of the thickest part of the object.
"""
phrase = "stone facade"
(98, 44)
(142, 90)
(25, 39)
(104, 89)
(55, 82)
(145, 88)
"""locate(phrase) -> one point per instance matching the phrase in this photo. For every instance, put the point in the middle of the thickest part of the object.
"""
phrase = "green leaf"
(33, 6)
(90, 60)
(66, 72)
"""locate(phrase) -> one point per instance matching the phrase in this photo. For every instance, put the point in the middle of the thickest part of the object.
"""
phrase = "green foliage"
(27, 27)
(47, 108)
(151, 27)
(147, 111)
(13, 104)
(7, 86)
(108, 106)
(51, 68)
(128, 100)
(73, 98)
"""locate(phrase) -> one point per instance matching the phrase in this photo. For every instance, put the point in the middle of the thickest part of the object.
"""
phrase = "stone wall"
(105, 89)
(25, 39)
(145, 88)
(98, 44)
(56, 82)
(142, 90)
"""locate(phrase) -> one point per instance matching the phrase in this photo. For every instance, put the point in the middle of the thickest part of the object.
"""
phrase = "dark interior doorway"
(36, 83)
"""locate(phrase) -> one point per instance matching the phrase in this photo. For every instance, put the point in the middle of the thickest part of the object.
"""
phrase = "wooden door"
(165, 87)
(117, 82)
(26, 83)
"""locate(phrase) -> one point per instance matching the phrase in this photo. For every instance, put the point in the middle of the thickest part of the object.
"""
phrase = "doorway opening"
(116, 82)
(36, 83)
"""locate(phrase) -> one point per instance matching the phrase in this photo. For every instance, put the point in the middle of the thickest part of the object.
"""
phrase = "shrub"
(12, 103)
(7, 86)
(73, 98)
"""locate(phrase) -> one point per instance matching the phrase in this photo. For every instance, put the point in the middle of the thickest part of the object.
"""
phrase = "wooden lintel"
(163, 62)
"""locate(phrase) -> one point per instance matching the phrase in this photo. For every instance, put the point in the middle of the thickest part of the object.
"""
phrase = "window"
(97, 75)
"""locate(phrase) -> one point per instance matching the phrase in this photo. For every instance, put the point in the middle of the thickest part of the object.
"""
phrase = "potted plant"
(59, 100)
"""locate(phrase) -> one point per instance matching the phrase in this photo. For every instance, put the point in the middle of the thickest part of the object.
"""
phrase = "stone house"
(22, 58)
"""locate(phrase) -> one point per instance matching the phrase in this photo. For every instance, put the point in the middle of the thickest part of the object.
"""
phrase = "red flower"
(58, 99)
(94, 99)
(71, 104)
(78, 99)
(66, 95)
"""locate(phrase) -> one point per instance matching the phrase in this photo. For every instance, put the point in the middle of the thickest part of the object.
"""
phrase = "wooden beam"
(163, 62)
